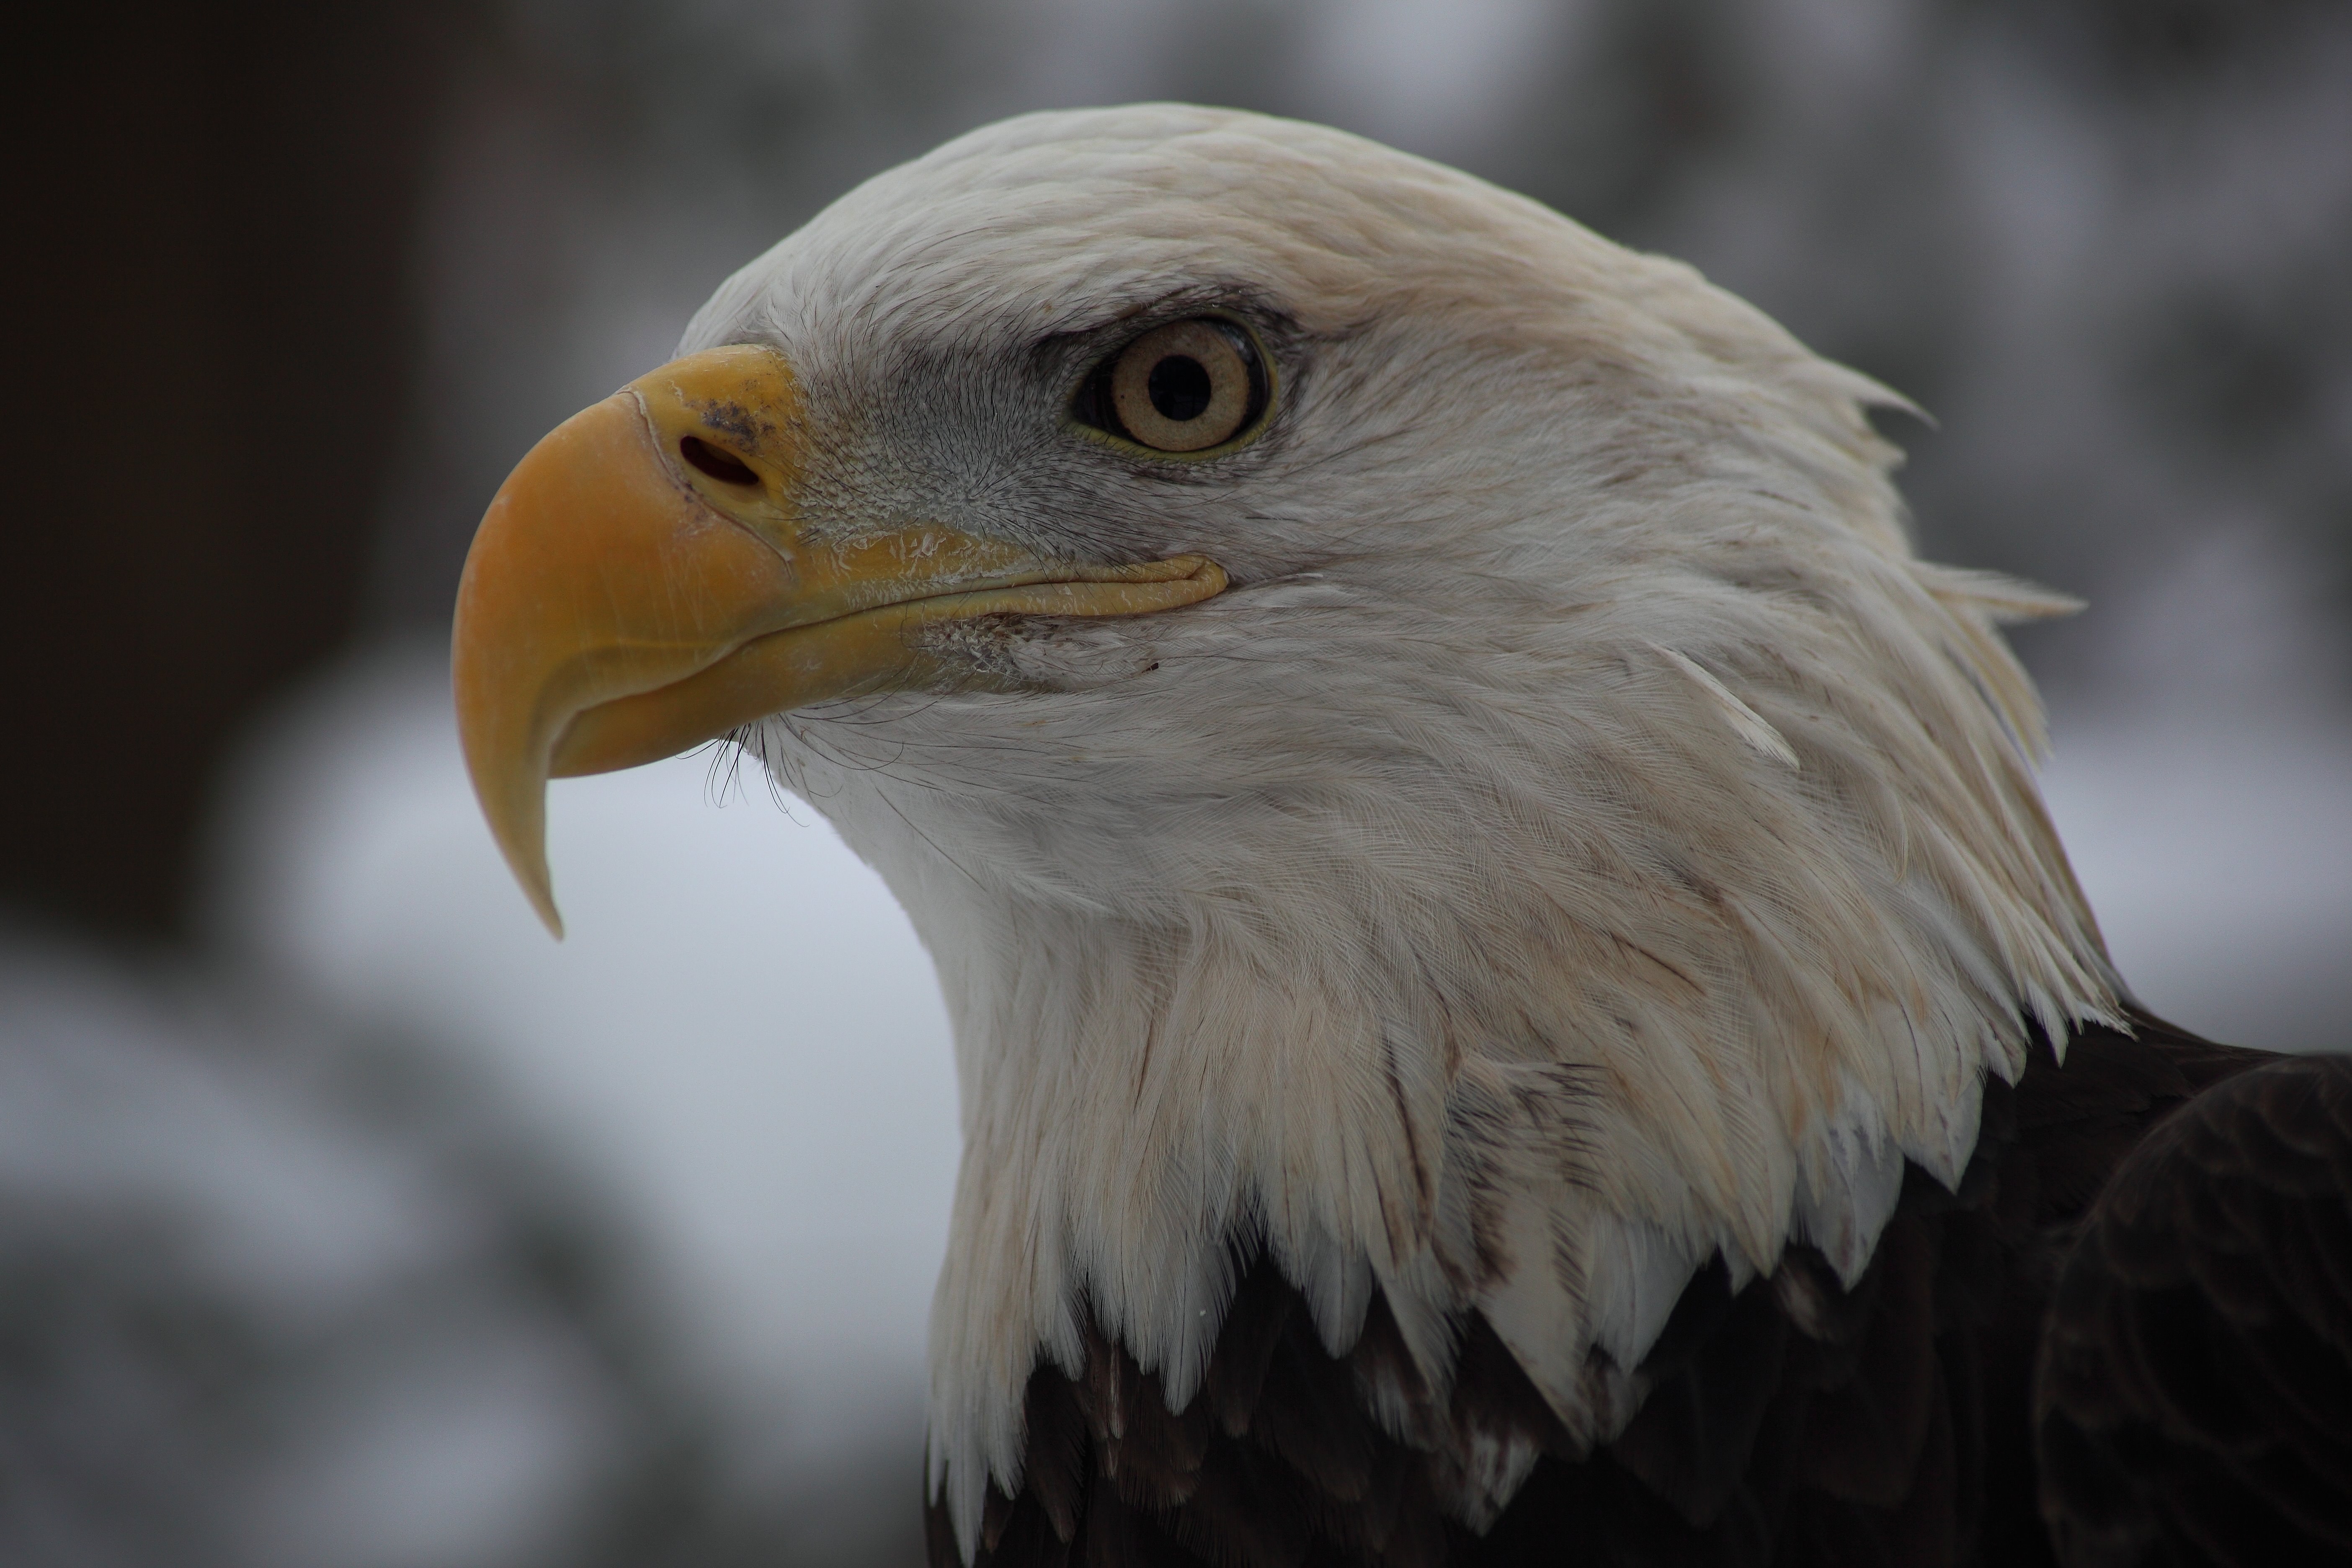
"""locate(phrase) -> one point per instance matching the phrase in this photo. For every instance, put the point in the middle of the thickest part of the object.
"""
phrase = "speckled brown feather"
(1792, 1421)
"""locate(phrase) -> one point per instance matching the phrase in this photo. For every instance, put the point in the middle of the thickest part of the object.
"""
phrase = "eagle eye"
(716, 461)
(1183, 388)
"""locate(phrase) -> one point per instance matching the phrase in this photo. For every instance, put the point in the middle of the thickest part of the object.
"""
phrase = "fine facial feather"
(1402, 911)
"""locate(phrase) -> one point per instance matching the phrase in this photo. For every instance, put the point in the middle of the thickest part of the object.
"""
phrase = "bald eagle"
(1515, 997)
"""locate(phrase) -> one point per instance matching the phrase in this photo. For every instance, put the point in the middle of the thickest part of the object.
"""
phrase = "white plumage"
(1583, 838)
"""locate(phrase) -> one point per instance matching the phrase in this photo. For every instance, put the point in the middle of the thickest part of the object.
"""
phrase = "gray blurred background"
(347, 1223)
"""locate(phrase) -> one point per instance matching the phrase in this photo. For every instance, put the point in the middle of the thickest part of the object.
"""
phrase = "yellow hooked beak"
(642, 582)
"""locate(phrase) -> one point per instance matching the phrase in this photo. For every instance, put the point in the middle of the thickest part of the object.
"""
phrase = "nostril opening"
(718, 462)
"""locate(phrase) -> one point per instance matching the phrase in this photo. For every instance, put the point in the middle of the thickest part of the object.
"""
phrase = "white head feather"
(1584, 841)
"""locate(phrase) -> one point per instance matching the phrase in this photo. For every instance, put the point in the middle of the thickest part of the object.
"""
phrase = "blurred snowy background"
(345, 1222)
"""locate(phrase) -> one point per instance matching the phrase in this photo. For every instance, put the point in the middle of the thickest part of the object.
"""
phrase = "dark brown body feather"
(2195, 1398)
(1791, 1423)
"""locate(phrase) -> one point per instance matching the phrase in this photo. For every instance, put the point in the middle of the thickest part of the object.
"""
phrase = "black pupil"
(1179, 387)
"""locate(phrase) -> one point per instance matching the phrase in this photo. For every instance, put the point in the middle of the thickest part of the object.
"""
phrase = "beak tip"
(542, 901)
(530, 872)
(517, 811)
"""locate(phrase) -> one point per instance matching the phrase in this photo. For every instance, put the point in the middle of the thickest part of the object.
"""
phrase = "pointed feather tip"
(1751, 726)
(2005, 598)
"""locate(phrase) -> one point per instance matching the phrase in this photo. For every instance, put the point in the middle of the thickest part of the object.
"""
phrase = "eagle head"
(1413, 736)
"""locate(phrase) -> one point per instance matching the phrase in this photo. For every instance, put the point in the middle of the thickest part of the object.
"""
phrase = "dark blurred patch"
(1655, 93)
(2250, 379)
(123, 1397)
(210, 349)
(2226, 367)
(2155, 46)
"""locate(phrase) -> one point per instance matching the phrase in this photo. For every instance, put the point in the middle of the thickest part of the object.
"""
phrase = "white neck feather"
(1687, 966)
